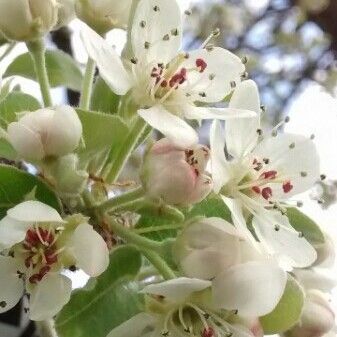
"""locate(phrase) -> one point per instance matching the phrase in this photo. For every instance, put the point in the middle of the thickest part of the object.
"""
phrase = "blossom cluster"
(225, 271)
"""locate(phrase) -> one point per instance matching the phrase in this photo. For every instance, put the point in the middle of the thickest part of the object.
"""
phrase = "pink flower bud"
(176, 175)
(317, 317)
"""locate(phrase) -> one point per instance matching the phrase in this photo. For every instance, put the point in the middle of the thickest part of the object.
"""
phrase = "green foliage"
(62, 69)
(304, 224)
(16, 184)
(111, 300)
(287, 312)
(103, 99)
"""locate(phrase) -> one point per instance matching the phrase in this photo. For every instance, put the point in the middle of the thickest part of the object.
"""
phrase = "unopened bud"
(25, 20)
(103, 15)
(176, 175)
(46, 133)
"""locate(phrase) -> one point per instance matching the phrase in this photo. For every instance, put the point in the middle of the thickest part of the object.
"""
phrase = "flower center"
(40, 252)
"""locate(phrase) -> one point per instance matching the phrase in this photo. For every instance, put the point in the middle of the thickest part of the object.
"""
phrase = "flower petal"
(214, 83)
(294, 157)
(90, 250)
(221, 172)
(34, 211)
(12, 232)
(108, 62)
(252, 288)
(241, 134)
(285, 242)
(10, 284)
(177, 289)
(316, 279)
(173, 127)
(49, 296)
(134, 327)
(25, 141)
(157, 30)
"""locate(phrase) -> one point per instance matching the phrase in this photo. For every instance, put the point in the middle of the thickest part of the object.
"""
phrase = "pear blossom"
(175, 174)
(180, 307)
(243, 278)
(45, 133)
(36, 245)
(164, 82)
(25, 20)
(259, 174)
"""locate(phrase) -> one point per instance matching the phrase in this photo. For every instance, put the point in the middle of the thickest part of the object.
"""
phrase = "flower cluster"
(238, 252)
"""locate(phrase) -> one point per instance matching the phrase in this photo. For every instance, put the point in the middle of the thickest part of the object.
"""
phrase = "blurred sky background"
(291, 46)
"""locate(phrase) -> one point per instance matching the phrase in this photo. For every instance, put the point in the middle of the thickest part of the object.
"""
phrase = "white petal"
(134, 327)
(64, 132)
(240, 331)
(252, 288)
(49, 296)
(173, 127)
(25, 141)
(223, 67)
(158, 23)
(241, 134)
(194, 112)
(291, 162)
(316, 279)
(108, 62)
(34, 211)
(90, 250)
(284, 243)
(10, 284)
(221, 173)
(12, 232)
(177, 289)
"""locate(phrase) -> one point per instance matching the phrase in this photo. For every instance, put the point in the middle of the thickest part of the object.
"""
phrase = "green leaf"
(101, 131)
(62, 69)
(14, 103)
(96, 310)
(304, 224)
(6, 150)
(103, 99)
(16, 184)
(287, 312)
(212, 206)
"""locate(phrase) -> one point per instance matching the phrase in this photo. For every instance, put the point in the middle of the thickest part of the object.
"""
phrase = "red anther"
(32, 238)
(209, 332)
(269, 175)
(50, 256)
(267, 193)
(201, 64)
(35, 278)
(256, 189)
(163, 84)
(43, 272)
(178, 78)
(287, 187)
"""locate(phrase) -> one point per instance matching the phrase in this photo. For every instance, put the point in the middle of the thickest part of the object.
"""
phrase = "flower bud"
(103, 15)
(66, 13)
(176, 175)
(207, 247)
(45, 133)
(25, 20)
(317, 316)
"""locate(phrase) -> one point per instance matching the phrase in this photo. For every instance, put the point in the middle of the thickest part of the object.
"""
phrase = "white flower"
(104, 15)
(45, 133)
(175, 174)
(242, 277)
(180, 307)
(25, 20)
(65, 14)
(261, 175)
(164, 82)
(36, 246)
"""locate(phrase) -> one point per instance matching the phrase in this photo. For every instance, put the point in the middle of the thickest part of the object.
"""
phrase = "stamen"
(323, 177)
(215, 33)
(267, 193)
(142, 24)
(181, 319)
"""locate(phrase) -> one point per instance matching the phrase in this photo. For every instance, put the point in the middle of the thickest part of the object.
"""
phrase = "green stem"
(87, 84)
(37, 51)
(159, 264)
(153, 229)
(126, 149)
(133, 238)
(120, 200)
(8, 50)
(46, 329)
